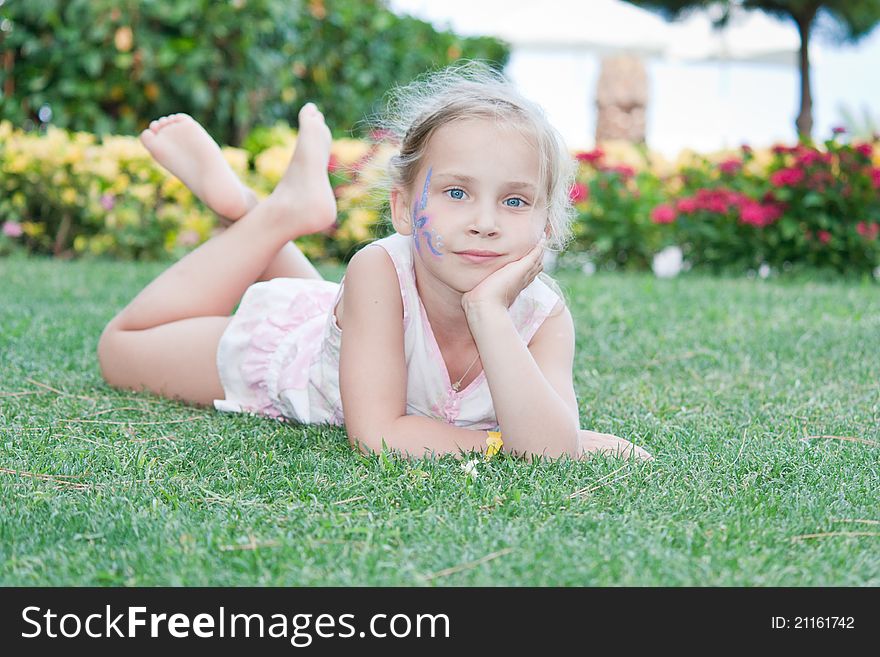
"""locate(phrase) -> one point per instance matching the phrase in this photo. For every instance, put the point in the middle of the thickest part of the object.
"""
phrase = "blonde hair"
(473, 90)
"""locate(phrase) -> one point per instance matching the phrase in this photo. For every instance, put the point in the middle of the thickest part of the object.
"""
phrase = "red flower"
(786, 177)
(591, 157)
(746, 149)
(824, 236)
(820, 180)
(752, 212)
(875, 177)
(663, 214)
(756, 214)
(621, 169)
(730, 166)
(333, 165)
(687, 205)
(865, 149)
(717, 200)
(779, 149)
(868, 231)
(578, 193)
(808, 157)
(838, 130)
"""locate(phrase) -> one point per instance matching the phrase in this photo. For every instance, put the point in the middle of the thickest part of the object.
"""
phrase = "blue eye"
(457, 194)
(520, 203)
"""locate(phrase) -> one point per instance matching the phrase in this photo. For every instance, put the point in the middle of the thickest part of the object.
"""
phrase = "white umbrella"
(599, 26)
(611, 27)
(749, 36)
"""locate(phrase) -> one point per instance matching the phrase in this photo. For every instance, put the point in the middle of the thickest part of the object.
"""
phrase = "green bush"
(111, 66)
(785, 207)
(806, 206)
(614, 228)
(71, 194)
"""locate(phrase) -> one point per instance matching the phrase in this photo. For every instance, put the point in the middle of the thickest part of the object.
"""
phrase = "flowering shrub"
(614, 228)
(782, 207)
(71, 194)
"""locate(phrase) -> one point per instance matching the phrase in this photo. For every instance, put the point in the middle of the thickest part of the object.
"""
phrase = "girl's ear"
(400, 216)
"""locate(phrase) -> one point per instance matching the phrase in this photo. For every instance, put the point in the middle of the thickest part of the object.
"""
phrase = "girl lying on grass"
(439, 337)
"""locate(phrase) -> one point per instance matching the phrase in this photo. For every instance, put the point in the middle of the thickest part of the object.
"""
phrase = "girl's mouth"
(478, 257)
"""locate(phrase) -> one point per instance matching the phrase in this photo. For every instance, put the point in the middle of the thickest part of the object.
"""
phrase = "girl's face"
(473, 207)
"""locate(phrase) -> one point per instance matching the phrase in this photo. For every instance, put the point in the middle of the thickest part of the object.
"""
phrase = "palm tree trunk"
(804, 121)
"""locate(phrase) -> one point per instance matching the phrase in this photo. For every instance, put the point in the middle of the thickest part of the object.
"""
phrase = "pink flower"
(746, 149)
(772, 213)
(838, 130)
(875, 177)
(865, 149)
(756, 214)
(824, 236)
(752, 212)
(868, 231)
(819, 180)
(730, 166)
(578, 193)
(663, 214)
(623, 170)
(686, 205)
(12, 229)
(591, 157)
(716, 200)
(108, 201)
(786, 177)
(333, 164)
(809, 157)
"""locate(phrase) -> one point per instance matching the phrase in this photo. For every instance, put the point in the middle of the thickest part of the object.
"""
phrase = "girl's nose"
(484, 223)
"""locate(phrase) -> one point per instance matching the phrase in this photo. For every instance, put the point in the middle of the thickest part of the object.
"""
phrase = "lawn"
(760, 400)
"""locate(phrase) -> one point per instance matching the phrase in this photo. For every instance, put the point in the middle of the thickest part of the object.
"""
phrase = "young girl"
(439, 337)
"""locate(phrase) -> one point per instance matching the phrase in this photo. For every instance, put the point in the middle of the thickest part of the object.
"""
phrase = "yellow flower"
(237, 159)
(349, 151)
(272, 163)
(68, 196)
(493, 444)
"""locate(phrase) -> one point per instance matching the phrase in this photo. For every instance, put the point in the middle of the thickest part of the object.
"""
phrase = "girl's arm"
(532, 391)
(531, 386)
(372, 368)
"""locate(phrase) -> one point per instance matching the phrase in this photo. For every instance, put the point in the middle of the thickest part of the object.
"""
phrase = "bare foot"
(182, 146)
(592, 443)
(305, 183)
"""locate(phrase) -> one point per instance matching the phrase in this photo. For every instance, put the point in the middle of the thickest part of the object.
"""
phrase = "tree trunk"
(621, 98)
(804, 121)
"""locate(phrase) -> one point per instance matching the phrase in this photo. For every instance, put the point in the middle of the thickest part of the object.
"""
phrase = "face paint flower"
(420, 222)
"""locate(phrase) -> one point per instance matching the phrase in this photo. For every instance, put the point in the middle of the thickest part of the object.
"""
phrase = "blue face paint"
(420, 222)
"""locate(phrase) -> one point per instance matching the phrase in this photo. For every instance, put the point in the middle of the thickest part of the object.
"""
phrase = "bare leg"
(593, 443)
(183, 147)
(166, 339)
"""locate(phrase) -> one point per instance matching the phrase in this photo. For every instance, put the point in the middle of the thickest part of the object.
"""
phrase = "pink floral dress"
(279, 355)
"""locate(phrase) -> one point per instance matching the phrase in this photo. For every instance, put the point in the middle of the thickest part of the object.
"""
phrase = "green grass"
(720, 378)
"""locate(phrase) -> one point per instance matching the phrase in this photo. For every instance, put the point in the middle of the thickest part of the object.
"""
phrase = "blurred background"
(742, 133)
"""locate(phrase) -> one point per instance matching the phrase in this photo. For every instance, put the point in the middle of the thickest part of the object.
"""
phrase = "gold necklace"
(457, 384)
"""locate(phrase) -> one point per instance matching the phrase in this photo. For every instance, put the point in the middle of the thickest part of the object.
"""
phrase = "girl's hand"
(502, 287)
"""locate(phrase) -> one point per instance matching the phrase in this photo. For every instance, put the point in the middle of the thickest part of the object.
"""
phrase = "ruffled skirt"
(266, 353)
